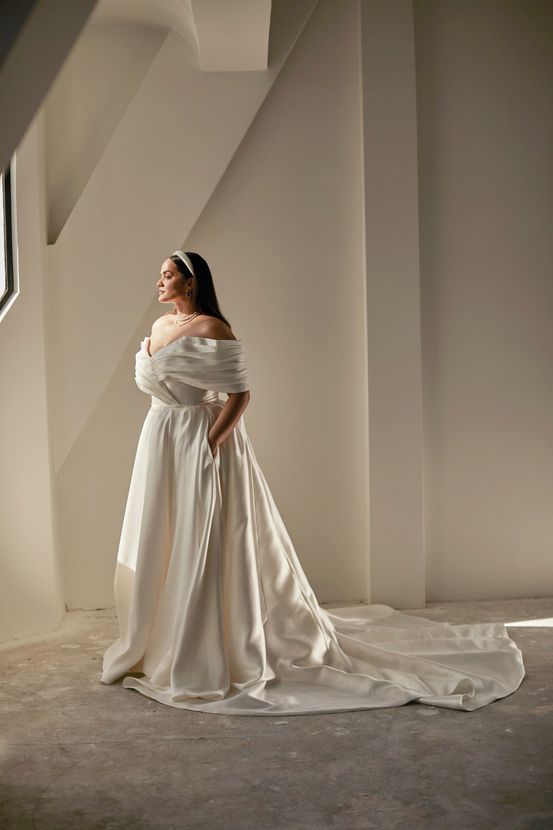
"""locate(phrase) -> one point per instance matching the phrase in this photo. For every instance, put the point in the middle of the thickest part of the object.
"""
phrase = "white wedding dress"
(214, 609)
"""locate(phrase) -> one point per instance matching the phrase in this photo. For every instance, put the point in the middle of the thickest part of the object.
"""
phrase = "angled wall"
(297, 304)
(35, 42)
(85, 107)
(160, 167)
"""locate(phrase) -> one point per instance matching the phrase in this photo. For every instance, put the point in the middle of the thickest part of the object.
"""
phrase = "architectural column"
(396, 527)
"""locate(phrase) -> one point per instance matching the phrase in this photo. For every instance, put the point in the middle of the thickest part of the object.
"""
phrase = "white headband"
(186, 259)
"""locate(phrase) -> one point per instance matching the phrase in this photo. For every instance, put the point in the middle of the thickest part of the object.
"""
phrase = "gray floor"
(76, 753)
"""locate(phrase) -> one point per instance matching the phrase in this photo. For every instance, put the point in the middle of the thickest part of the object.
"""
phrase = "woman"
(214, 610)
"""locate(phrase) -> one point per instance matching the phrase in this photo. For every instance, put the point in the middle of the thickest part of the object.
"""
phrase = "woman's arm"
(237, 401)
(227, 418)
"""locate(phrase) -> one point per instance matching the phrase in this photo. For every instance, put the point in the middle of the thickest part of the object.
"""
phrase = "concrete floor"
(75, 753)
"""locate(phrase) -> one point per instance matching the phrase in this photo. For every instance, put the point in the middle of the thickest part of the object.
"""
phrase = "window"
(8, 275)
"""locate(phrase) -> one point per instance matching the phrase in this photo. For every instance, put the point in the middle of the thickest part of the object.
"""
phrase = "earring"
(189, 294)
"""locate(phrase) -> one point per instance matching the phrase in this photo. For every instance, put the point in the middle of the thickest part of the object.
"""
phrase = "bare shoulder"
(162, 321)
(214, 328)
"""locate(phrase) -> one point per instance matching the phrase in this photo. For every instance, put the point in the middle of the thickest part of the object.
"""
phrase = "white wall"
(30, 586)
(147, 190)
(393, 340)
(282, 232)
(485, 90)
(273, 178)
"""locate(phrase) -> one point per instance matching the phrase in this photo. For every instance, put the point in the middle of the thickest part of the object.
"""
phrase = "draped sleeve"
(205, 362)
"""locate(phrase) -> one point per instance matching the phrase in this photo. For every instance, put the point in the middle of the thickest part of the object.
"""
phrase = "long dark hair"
(203, 291)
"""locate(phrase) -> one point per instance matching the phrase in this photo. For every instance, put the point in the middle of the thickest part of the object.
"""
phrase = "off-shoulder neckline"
(187, 337)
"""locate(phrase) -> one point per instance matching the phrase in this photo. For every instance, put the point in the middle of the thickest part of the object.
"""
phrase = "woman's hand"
(213, 446)
(227, 418)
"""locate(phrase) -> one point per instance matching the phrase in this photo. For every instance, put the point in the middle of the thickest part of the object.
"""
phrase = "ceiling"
(225, 35)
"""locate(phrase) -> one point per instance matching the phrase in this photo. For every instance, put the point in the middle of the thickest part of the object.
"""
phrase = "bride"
(214, 610)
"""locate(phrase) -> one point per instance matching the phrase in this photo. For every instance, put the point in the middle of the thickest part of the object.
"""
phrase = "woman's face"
(171, 284)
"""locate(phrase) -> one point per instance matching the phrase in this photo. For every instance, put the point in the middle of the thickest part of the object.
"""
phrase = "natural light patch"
(546, 622)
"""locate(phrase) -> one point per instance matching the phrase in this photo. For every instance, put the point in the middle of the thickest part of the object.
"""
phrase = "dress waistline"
(156, 403)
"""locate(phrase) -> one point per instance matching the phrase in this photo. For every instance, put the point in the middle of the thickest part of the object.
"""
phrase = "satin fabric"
(213, 606)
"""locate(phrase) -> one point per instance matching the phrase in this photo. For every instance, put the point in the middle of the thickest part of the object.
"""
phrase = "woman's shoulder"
(213, 327)
(204, 325)
(162, 320)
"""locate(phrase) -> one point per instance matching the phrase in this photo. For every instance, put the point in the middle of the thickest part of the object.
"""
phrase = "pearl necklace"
(186, 319)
